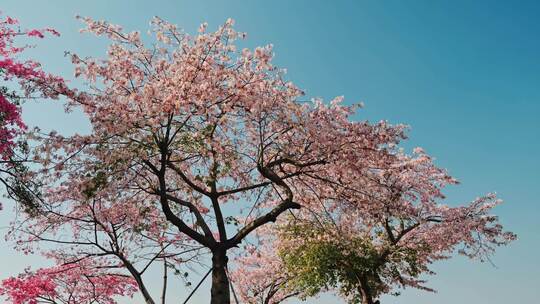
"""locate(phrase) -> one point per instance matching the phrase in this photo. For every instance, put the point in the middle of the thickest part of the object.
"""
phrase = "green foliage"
(20, 189)
(100, 175)
(10, 94)
(318, 264)
(321, 260)
(231, 220)
(96, 182)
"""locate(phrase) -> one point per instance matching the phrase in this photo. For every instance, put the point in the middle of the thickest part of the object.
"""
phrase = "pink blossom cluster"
(29, 75)
(27, 288)
(11, 124)
(260, 276)
(76, 283)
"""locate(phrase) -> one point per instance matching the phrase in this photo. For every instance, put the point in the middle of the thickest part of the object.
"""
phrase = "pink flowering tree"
(21, 79)
(74, 283)
(260, 275)
(119, 237)
(372, 242)
(196, 147)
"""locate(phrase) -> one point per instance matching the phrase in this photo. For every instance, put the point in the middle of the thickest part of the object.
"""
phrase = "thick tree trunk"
(366, 299)
(220, 293)
(365, 291)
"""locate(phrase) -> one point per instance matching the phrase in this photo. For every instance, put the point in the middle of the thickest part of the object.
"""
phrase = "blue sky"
(465, 75)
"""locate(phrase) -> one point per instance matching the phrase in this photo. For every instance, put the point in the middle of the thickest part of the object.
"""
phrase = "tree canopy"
(200, 152)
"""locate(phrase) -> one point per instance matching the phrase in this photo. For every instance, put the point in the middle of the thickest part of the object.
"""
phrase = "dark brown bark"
(365, 292)
(366, 299)
(220, 292)
(137, 276)
(164, 290)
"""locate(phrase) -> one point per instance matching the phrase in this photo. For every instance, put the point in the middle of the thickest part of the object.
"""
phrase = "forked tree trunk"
(220, 293)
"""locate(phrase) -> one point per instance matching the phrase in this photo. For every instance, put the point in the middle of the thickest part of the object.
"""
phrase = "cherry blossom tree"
(365, 247)
(195, 148)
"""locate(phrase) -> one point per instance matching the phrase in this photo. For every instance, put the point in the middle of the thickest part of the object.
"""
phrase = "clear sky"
(465, 75)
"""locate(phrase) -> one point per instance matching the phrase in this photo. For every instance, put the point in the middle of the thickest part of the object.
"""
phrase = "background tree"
(77, 281)
(197, 145)
(22, 79)
(386, 239)
(260, 276)
(73, 283)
